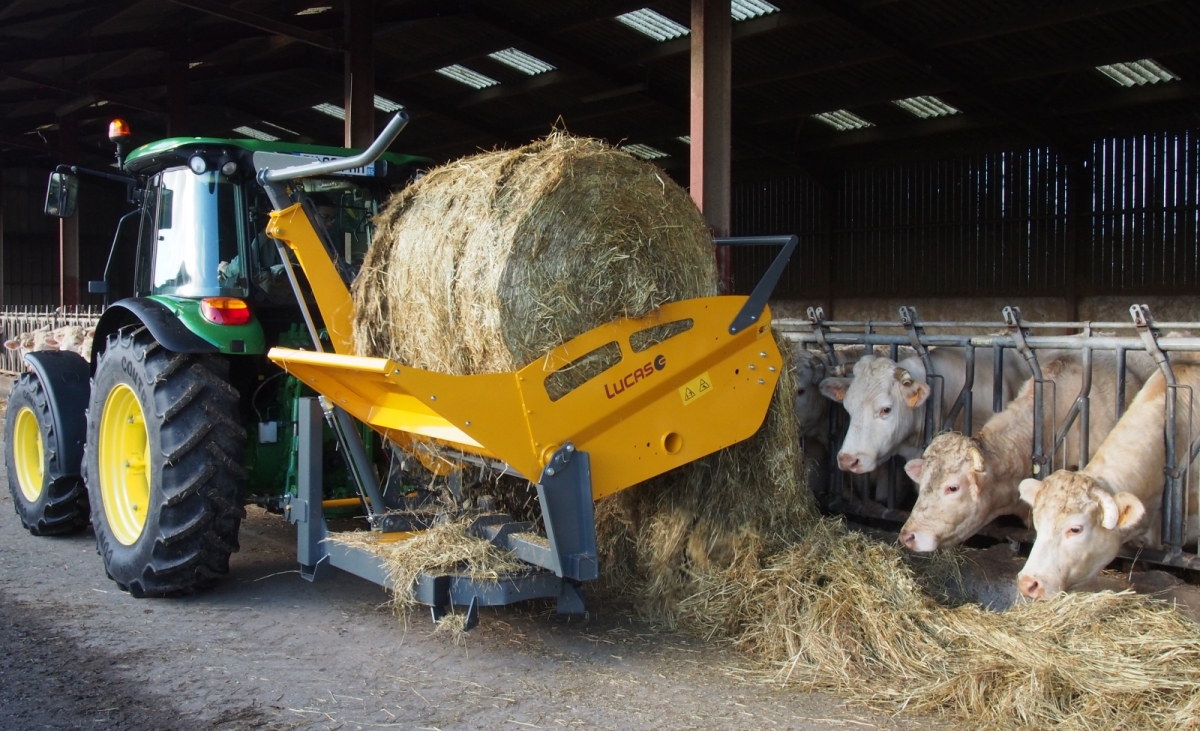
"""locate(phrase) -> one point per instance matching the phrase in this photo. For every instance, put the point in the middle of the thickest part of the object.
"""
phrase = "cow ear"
(818, 371)
(835, 388)
(913, 469)
(12, 344)
(915, 392)
(1130, 510)
(1029, 489)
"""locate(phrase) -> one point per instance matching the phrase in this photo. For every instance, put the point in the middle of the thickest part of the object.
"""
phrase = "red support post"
(711, 92)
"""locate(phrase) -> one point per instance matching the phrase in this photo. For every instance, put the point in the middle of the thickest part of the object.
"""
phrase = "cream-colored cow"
(965, 483)
(886, 401)
(1083, 518)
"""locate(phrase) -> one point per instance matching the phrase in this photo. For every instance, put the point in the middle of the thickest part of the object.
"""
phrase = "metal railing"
(17, 320)
(853, 494)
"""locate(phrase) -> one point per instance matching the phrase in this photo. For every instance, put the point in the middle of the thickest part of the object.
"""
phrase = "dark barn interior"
(920, 148)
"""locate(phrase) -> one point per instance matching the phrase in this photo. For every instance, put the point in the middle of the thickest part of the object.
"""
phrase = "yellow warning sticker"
(695, 388)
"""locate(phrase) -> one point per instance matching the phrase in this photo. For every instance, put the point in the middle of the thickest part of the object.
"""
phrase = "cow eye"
(1075, 530)
(885, 411)
(951, 489)
(800, 392)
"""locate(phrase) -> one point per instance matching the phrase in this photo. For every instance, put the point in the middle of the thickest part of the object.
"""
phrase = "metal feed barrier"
(853, 494)
(17, 320)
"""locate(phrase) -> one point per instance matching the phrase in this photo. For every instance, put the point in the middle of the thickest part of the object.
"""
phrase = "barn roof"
(815, 82)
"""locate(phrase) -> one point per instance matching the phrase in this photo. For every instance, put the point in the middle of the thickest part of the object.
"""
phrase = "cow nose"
(909, 539)
(1030, 587)
(847, 462)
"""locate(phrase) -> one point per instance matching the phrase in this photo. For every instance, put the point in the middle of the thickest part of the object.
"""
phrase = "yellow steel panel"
(632, 419)
(292, 227)
(643, 428)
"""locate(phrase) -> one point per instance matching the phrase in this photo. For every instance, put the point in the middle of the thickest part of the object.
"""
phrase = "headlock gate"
(1140, 338)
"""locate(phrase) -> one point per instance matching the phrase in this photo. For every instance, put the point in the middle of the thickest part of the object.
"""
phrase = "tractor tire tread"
(189, 538)
(62, 508)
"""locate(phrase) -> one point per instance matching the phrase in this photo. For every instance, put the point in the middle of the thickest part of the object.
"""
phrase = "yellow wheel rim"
(124, 456)
(28, 454)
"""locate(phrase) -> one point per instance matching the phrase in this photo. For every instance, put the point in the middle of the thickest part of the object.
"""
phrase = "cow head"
(1080, 527)
(882, 400)
(811, 407)
(953, 502)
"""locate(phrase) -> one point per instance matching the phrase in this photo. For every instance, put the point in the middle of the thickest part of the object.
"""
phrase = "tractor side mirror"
(61, 195)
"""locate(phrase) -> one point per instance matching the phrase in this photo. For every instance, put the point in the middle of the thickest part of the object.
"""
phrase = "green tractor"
(177, 420)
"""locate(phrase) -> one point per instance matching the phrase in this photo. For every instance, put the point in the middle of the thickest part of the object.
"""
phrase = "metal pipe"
(1172, 526)
(1012, 316)
(362, 159)
(344, 502)
(1120, 383)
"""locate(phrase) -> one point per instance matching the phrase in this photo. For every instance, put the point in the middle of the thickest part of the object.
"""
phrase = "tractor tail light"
(225, 310)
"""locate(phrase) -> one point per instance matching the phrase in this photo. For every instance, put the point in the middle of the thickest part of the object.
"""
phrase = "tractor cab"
(203, 217)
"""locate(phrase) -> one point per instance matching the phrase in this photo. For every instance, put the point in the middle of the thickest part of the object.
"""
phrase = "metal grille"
(984, 224)
(1144, 233)
(17, 320)
(779, 207)
(992, 224)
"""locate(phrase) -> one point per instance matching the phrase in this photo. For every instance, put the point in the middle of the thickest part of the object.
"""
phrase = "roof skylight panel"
(649, 23)
(464, 75)
(256, 134)
(925, 106)
(384, 104)
(645, 152)
(314, 10)
(685, 139)
(843, 121)
(1137, 73)
(332, 110)
(522, 61)
(747, 9)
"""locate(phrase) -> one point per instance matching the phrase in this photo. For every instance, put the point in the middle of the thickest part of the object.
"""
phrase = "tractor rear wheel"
(163, 464)
(48, 501)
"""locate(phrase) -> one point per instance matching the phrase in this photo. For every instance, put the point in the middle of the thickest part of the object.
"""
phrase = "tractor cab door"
(192, 242)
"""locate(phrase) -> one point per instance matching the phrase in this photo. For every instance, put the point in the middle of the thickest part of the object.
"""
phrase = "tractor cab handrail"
(362, 159)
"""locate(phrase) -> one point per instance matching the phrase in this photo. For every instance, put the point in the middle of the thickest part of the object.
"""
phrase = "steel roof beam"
(261, 22)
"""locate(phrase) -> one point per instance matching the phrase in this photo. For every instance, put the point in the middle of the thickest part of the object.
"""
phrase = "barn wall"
(962, 237)
(31, 251)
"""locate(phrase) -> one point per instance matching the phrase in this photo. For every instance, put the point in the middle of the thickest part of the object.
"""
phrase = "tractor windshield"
(199, 238)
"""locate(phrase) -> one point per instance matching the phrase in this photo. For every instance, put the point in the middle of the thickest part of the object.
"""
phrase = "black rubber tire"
(197, 444)
(62, 506)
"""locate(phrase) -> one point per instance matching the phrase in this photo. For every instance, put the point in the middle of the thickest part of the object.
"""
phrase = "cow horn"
(1109, 513)
(976, 459)
(904, 377)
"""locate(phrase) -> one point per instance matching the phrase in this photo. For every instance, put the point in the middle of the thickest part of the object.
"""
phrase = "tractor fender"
(66, 378)
(158, 319)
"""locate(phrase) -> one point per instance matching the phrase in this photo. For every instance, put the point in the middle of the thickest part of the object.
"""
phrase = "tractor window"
(199, 236)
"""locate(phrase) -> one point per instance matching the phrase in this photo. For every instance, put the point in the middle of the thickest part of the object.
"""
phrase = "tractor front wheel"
(163, 466)
(50, 499)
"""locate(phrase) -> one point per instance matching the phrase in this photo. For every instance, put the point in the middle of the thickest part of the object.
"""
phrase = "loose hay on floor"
(445, 548)
(492, 260)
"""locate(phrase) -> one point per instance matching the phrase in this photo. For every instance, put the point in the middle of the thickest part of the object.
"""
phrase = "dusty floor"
(266, 649)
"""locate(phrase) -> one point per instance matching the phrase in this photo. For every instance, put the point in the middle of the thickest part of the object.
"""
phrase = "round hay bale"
(488, 262)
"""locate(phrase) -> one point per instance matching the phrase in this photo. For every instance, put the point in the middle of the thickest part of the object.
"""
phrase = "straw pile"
(492, 260)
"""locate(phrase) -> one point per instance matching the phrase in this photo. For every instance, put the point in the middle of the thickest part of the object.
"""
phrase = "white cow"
(886, 401)
(76, 339)
(32, 342)
(965, 483)
(1082, 518)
